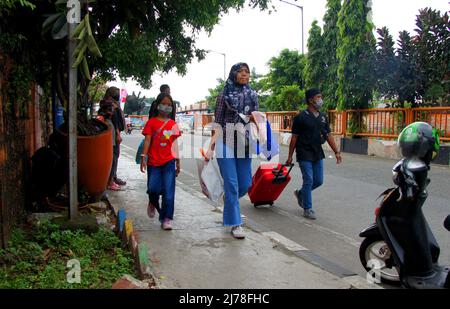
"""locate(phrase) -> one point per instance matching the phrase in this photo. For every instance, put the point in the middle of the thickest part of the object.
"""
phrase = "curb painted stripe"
(128, 228)
(121, 215)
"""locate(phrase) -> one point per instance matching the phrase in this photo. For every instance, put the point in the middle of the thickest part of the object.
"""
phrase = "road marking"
(127, 147)
(318, 227)
(188, 173)
(285, 242)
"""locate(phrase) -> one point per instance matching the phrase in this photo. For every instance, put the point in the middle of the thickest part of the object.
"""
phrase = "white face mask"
(319, 103)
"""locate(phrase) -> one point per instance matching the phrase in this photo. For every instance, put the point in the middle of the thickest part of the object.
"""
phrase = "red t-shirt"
(160, 151)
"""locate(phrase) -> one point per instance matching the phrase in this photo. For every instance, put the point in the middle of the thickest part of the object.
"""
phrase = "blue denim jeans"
(312, 173)
(237, 178)
(161, 181)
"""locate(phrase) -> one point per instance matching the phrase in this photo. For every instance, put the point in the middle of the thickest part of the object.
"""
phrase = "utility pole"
(224, 62)
(301, 8)
(73, 18)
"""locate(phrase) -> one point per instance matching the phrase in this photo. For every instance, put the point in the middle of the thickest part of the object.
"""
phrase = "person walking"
(310, 130)
(164, 88)
(162, 163)
(233, 109)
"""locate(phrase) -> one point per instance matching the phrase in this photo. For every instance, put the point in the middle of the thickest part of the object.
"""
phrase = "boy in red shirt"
(163, 164)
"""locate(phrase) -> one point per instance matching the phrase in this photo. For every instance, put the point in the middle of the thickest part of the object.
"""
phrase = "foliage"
(37, 258)
(290, 98)
(134, 104)
(330, 33)
(256, 83)
(315, 67)
(432, 45)
(214, 93)
(356, 48)
(164, 31)
(97, 89)
(8, 5)
(386, 64)
(18, 65)
(405, 76)
(284, 70)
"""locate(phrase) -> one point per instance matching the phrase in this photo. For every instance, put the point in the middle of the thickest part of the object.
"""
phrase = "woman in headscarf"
(230, 141)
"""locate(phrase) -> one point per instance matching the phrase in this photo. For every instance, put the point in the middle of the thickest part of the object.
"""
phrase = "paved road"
(344, 204)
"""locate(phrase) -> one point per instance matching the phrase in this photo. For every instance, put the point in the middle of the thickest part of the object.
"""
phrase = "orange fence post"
(344, 123)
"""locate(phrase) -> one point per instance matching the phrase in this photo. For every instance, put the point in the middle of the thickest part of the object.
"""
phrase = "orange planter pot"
(94, 162)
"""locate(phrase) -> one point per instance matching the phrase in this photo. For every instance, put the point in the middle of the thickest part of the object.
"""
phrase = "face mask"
(319, 103)
(164, 109)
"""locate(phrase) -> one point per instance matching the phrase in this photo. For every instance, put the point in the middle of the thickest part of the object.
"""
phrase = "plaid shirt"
(223, 115)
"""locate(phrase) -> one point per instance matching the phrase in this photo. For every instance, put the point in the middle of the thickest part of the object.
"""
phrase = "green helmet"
(419, 139)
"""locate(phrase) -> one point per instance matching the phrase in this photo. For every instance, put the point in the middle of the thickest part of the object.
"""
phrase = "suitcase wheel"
(256, 205)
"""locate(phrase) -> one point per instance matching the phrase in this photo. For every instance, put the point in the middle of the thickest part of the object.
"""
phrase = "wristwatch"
(336, 153)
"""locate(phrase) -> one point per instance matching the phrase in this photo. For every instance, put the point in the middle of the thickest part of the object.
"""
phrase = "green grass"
(37, 258)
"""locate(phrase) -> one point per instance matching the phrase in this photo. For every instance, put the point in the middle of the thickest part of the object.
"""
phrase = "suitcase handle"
(279, 177)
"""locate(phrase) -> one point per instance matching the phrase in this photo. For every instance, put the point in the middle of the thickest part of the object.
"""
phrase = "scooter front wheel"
(377, 259)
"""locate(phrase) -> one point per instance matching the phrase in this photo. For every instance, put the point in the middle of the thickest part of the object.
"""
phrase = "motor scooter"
(129, 128)
(400, 246)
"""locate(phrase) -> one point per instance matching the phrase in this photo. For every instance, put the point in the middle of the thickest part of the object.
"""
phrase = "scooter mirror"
(447, 223)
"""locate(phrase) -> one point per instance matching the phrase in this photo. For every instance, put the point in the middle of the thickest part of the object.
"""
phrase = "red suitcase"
(268, 182)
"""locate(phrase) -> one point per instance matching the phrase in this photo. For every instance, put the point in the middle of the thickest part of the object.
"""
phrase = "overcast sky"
(254, 37)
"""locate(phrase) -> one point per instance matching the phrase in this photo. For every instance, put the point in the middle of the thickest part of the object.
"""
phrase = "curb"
(355, 281)
(131, 239)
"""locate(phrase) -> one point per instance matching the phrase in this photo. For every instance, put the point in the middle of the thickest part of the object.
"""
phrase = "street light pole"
(224, 62)
(301, 8)
(73, 18)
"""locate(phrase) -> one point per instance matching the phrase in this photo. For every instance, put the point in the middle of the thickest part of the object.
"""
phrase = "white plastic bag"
(201, 163)
(211, 180)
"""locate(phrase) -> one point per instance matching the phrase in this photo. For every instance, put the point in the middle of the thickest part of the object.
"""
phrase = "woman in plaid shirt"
(233, 111)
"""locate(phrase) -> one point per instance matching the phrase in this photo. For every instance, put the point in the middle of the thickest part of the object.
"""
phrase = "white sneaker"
(238, 232)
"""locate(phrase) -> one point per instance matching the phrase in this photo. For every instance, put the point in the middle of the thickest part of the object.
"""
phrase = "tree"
(432, 44)
(314, 69)
(134, 104)
(137, 38)
(214, 93)
(330, 34)
(286, 69)
(355, 53)
(290, 98)
(386, 65)
(406, 76)
(97, 89)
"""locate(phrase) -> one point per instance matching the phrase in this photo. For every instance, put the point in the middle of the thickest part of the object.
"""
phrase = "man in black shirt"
(309, 131)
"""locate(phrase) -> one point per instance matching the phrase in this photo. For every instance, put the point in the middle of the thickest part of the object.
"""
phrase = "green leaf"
(49, 21)
(59, 30)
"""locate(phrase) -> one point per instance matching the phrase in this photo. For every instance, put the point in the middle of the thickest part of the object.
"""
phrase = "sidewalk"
(200, 253)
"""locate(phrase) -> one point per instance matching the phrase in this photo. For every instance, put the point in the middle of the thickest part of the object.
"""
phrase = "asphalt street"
(344, 205)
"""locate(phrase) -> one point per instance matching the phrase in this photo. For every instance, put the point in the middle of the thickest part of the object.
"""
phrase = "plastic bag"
(211, 180)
